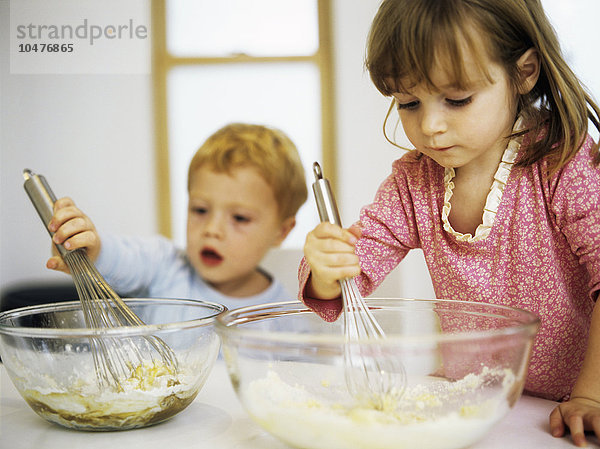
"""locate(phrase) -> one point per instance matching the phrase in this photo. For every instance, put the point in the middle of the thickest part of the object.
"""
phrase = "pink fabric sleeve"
(328, 310)
(575, 201)
(389, 228)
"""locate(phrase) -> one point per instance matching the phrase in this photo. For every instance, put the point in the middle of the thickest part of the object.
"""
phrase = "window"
(265, 61)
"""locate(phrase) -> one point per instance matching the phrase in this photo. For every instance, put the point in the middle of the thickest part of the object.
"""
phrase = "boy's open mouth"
(210, 257)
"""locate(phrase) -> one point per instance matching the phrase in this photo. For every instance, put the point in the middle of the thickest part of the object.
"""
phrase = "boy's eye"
(199, 210)
(240, 218)
(458, 103)
(409, 105)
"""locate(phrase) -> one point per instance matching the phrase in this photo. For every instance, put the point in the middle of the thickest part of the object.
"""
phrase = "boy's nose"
(433, 121)
(214, 227)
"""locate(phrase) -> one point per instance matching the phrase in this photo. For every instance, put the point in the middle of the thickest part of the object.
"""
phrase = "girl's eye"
(459, 103)
(409, 105)
(199, 210)
(240, 218)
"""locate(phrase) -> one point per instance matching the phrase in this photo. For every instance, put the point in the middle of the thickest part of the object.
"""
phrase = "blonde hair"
(407, 35)
(268, 150)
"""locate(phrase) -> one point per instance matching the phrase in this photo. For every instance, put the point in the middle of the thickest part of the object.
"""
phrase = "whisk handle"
(324, 198)
(43, 199)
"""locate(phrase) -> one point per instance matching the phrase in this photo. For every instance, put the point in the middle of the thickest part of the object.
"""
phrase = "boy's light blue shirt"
(153, 267)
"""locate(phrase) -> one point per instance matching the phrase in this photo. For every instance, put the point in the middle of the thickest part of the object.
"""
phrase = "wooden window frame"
(163, 62)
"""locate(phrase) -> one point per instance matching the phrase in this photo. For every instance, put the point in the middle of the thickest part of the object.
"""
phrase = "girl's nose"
(433, 121)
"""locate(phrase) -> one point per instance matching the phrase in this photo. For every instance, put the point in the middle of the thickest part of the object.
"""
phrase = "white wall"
(92, 137)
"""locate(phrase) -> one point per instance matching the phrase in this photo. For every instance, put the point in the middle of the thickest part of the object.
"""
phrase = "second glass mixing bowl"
(466, 364)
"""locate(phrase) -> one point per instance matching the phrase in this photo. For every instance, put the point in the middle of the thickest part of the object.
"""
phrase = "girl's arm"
(576, 204)
(329, 251)
(386, 232)
(329, 257)
(582, 411)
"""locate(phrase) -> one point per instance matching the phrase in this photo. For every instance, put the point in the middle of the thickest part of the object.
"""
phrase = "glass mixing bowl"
(465, 365)
(46, 352)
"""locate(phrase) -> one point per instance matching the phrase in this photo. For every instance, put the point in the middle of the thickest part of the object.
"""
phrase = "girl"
(502, 190)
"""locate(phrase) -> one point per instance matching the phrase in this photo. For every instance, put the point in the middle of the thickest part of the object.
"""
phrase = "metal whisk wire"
(370, 373)
(114, 357)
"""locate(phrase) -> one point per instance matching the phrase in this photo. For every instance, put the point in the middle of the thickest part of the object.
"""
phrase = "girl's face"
(232, 221)
(460, 128)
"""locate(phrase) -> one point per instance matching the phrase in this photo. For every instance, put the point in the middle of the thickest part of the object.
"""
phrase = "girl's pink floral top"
(538, 248)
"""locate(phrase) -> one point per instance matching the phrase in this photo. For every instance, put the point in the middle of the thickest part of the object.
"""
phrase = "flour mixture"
(431, 415)
(150, 395)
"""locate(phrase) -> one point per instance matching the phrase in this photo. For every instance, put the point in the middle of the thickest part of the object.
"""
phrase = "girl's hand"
(579, 415)
(329, 251)
(72, 229)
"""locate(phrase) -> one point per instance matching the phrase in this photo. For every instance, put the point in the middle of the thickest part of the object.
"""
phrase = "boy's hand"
(329, 251)
(579, 415)
(73, 229)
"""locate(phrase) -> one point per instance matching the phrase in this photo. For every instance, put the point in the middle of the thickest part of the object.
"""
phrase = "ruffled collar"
(494, 196)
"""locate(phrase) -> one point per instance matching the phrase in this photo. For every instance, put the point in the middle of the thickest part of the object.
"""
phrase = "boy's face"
(232, 221)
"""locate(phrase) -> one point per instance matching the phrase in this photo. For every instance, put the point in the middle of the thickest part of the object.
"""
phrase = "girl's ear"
(528, 66)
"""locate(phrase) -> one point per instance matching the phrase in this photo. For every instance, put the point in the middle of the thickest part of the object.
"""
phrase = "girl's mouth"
(210, 257)
(439, 149)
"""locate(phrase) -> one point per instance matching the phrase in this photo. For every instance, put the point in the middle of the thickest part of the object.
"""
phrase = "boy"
(245, 185)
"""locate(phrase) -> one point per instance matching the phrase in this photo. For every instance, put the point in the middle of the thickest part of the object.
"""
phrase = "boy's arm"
(132, 264)
(72, 229)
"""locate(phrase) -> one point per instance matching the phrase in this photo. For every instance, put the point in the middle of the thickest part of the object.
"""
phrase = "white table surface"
(216, 420)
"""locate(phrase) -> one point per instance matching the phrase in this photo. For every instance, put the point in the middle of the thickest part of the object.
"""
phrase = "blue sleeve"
(132, 264)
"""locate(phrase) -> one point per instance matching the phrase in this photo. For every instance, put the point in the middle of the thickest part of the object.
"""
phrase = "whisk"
(114, 358)
(374, 377)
